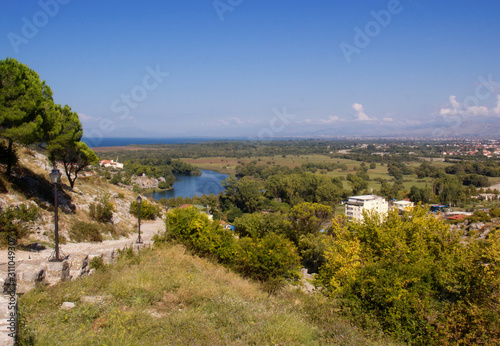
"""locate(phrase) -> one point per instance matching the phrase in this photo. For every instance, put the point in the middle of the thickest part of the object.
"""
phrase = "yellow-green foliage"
(271, 258)
(198, 233)
(166, 297)
(418, 277)
(149, 210)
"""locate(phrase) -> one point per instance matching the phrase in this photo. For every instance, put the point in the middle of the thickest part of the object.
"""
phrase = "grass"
(165, 296)
(228, 165)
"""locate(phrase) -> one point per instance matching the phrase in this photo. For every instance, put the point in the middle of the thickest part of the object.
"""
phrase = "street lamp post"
(139, 200)
(55, 177)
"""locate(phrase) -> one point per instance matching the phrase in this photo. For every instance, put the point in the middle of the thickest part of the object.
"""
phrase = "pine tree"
(25, 104)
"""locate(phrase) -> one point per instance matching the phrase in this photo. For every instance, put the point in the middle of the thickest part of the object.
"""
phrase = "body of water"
(120, 142)
(188, 186)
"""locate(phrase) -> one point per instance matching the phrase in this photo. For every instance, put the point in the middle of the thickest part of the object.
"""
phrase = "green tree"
(76, 158)
(25, 104)
(257, 225)
(358, 184)
(65, 145)
(66, 131)
(309, 218)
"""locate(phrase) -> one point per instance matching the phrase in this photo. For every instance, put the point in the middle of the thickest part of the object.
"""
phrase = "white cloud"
(462, 109)
(87, 118)
(360, 113)
(496, 110)
(330, 120)
(388, 120)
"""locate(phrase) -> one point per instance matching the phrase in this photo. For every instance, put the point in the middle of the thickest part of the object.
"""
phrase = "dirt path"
(148, 229)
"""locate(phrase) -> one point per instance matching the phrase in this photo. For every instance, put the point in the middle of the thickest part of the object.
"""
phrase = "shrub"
(102, 209)
(97, 263)
(272, 257)
(198, 233)
(479, 216)
(416, 276)
(149, 211)
(495, 212)
(14, 220)
(86, 231)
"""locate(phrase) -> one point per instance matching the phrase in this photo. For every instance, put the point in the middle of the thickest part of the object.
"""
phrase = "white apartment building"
(357, 204)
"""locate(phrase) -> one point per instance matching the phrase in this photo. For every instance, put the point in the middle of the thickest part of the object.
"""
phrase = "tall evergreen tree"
(25, 103)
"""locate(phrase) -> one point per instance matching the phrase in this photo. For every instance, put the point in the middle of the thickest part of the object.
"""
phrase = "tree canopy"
(29, 115)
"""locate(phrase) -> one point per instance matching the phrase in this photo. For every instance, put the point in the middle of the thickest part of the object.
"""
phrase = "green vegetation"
(149, 210)
(102, 209)
(164, 296)
(14, 222)
(28, 115)
(82, 231)
(95, 232)
(152, 164)
(415, 276)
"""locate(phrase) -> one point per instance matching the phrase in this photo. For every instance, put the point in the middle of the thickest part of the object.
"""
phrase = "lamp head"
(55, 176)
(139, 199)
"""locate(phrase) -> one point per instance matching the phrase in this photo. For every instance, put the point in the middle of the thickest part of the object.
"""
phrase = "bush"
(82, 231)
(417, 278)
(14, 220)
(198, 233)
(149, 211)
(479, 216)
(97, 263)
(273, 257)
(495, 212)
(102, 209)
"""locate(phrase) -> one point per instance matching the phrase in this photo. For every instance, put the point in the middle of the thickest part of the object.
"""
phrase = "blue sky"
(230, 68)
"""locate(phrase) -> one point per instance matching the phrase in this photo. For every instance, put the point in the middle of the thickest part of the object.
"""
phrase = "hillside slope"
(164, 296)
(30, 185)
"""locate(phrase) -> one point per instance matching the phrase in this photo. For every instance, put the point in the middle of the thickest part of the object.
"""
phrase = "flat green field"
(228, 165)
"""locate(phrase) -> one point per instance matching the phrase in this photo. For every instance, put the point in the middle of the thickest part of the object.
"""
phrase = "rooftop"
(365, 197)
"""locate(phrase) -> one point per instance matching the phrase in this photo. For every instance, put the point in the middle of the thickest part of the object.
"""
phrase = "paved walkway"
(72, 250)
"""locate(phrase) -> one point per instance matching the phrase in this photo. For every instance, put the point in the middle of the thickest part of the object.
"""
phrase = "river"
(188, 186)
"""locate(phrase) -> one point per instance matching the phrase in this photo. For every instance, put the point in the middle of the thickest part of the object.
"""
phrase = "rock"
(30, 273)
(59, 270)
(476, 226)
(79, 265)
(68, 305)
(29, 276)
